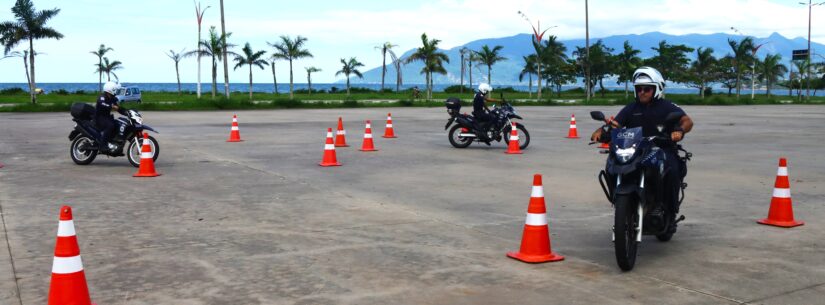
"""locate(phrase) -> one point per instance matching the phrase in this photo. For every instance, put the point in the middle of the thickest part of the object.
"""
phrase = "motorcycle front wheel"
(523, 135)
(457, 140)
(134, 150)
(625, 222)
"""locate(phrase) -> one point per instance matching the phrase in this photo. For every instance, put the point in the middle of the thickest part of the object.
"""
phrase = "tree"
(225, 55)
(289, 49)
(274, 78)
(671, 61)
(599, 63)
(553, 56)
(626, 63)
(199, 14)
(530, 68)
(250, 58)
(28, 26)
(25, 56)
(801, 67)
(490, 57)
(214, 47)
(463, 53)
(742, 57)
(109, 68)
(432, 59)
(350, 67)
(385, 48)
(310, 70)
(101, 51)
(770, 69)
(396, 62)
(701, 71)
(177, 57)
(725, 73)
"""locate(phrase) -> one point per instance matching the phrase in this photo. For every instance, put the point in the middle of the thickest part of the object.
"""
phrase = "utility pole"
(810, 5)
(225, 64)
(587, 47)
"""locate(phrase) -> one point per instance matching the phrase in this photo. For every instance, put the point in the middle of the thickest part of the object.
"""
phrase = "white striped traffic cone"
(235, 132)
(68, 284)
(389, 132)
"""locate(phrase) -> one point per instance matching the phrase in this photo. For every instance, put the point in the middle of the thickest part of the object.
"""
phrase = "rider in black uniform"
(104, 120)
(481, 111)
(649, 111)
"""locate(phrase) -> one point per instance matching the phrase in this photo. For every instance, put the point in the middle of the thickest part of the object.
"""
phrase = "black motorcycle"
(467, 129)
(85, 147)
(634, 183)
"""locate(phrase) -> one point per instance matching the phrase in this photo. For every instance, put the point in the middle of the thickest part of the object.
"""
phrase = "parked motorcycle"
(85, 147)
(633, 181)
(467, 129)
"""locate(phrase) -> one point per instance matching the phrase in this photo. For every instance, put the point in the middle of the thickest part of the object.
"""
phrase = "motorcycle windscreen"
(626, 137)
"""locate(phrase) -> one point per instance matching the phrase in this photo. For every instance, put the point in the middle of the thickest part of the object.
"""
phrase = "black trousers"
(106, 126)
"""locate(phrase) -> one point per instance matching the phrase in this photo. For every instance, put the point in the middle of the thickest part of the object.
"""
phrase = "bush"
(61, 92)
(506, 90)
(15, 90)
(361, 90)
(708, 91)
(80, 92)
(351, 104)
(457, 89)
(575, 90)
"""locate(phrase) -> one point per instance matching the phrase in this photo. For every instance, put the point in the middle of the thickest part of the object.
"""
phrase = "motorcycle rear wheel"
(625, 222)
(457, 140)
(82, 156)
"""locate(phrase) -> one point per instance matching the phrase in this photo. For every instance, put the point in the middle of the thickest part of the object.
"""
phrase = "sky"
(141, 32)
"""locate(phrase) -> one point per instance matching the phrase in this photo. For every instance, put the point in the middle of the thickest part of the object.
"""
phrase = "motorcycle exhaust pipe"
(467, 135)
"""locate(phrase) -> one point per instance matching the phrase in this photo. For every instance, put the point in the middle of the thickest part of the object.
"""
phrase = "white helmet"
(484, 88)
(647, 76)
(111, 87)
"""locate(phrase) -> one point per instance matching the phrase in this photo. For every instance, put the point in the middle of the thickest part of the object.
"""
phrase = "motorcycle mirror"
(597, 115)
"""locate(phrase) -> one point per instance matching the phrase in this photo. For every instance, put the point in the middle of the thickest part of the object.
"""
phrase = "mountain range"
(515, 47)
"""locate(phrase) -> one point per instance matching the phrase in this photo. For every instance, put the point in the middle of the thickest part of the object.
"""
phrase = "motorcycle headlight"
(624, 154)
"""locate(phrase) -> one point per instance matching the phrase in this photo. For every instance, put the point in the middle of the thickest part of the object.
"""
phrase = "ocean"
(284, 88)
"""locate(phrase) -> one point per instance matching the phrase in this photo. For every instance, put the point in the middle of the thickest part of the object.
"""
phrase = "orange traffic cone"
(68, 283)
(329, 152)
(572, 133)
(235, 134)
(781, 211)
(368, 145)
(605, 145)
(147, 161)
(535, 241)
(389, 132)
(513, 148)
(341, 134)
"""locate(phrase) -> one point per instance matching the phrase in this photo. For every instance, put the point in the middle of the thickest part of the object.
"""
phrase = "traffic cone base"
(147, 161)
(781, 210)
(535, 241)
(329, 152)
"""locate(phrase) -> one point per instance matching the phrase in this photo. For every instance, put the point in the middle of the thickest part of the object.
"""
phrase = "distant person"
(649, 112)
(481, 111)
(416, 92)
(104, 121)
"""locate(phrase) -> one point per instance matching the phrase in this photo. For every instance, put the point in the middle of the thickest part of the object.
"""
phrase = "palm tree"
(396, 62)
(490, 57)
(770, 70)
(109, 68)
(25, 57)
(350, 67)
(801, 66)
(626, 63)
(214, 47)
(177, 57)
(385, 48)
(553, 56)
(199, 13)
(274, 78)
(225, 54)
(463, 52)
(102, 50)
(29, 25)
(433, 60)
(250, 58)
(530, 68)
(741, 57)
(290, 50)
(701, 69)
(310, 70)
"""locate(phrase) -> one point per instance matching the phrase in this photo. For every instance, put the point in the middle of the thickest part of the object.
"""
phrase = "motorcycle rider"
(104, 121)
(481, 111)
(649, 111)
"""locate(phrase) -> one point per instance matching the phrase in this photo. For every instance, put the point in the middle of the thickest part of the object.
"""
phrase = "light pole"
(537, 37)
(587, 47)
(808, 91)
(753, 66)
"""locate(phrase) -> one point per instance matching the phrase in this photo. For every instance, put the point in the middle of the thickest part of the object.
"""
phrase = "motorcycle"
(467, 129)
(84, 146)
(633, 182)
